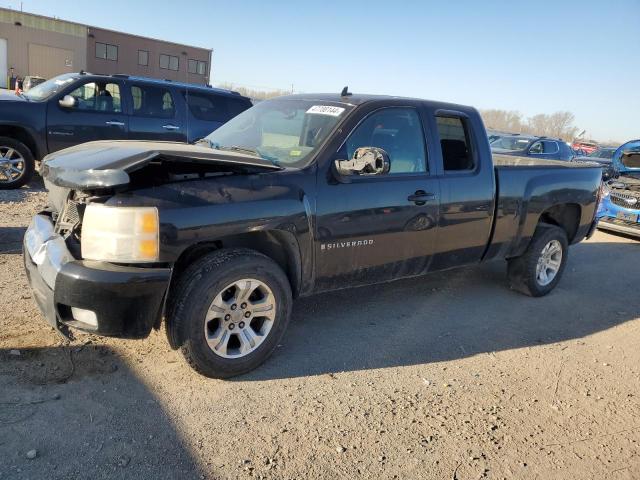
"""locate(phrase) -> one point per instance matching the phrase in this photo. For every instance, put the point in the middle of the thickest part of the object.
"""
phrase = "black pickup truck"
(296, 195)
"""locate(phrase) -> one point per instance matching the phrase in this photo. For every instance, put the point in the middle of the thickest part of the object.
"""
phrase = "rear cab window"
(457, 154)
(212, 107)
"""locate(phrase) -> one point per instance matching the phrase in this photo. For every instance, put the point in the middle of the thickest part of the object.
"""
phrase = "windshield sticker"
(295, 153)
(326, 110)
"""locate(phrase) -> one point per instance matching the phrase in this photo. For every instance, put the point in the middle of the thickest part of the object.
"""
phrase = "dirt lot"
(452, 376)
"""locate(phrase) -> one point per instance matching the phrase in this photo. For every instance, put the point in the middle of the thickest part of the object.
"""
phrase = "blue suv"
(75, 108)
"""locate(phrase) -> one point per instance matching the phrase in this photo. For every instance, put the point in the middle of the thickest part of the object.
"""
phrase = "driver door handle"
(170, 127)
(421, 197)
(115, 123)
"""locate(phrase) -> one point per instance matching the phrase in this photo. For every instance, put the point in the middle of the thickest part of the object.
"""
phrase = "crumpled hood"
(626, 158)
(107, 163)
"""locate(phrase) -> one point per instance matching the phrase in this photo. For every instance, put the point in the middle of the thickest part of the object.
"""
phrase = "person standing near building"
(12, 79)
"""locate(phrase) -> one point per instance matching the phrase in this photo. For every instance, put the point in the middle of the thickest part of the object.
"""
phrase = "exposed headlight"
(604, 190)
(120, 234)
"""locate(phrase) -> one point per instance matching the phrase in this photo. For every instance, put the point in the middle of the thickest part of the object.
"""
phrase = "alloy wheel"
(240, 318)
(549, 263)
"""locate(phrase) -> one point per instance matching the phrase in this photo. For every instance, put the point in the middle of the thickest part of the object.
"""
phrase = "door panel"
(3, 63)
(467, 192)
(155, 113)
(379, 227)
(98, 115)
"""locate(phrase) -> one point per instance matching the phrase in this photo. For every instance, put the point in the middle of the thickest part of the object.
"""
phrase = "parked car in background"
(75, 108)
(584, 145)
(532, 146)
(31, 81)
(601, 156)
(619, 209)
(297, 195)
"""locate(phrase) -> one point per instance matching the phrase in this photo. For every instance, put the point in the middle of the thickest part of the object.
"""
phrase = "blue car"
(619, 209)
(531, 146)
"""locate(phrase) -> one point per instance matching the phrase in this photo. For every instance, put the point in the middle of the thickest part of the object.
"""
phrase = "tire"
(523, 272)
(210, 287)
(19, 153)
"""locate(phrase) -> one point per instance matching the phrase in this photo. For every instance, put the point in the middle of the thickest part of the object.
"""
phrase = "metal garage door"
(47, 62)
(3, 63)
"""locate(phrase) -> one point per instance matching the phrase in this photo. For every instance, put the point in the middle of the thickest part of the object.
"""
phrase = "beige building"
(35, 45)
(46, 47)
(115, 52)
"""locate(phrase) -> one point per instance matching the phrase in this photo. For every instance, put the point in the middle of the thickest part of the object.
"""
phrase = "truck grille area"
(626, 200)
(70, 218)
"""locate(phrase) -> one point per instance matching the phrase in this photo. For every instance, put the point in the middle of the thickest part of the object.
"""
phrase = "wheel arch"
(22, 135)
(280, 246)
(566, 216)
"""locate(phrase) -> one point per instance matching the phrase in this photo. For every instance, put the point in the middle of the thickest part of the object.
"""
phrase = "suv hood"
(10, 96)
(107, 164)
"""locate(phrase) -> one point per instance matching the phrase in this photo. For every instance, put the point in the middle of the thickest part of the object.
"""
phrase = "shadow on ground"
(17, 195)
(455, 314)
(11, 239)
(74, 406)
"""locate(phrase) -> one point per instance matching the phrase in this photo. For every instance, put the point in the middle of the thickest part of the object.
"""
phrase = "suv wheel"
(538, 271)
(229, 311)
(16, 163)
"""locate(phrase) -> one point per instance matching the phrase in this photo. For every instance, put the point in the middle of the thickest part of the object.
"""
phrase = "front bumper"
(618, 219)
(126, 301)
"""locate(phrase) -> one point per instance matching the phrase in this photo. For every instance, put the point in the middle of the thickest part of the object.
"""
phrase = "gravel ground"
(451, 376)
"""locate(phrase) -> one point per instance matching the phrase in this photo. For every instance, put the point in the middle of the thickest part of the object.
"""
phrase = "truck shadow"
(87, 416)
(19, 194)
(455, 314)
(11, 239)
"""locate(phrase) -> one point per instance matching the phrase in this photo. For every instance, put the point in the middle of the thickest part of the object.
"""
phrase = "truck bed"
(509, 161)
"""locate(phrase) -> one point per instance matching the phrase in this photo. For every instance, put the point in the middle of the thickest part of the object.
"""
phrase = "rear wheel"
(230, 310)
(540, 268)
(16, 163)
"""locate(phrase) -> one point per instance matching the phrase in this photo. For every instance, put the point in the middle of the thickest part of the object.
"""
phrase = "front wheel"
(16, 163)
(539, 269)
(229, 311)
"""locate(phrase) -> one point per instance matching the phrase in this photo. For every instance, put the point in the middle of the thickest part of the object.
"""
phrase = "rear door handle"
(170, 127)
(421, 197)
(115, 123)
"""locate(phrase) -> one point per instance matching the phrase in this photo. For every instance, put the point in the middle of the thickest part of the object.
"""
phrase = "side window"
(550, 147)
(149, 101)
(454, 142)
(536, 148)
(211, 108)
(98, 97)
(396, 130)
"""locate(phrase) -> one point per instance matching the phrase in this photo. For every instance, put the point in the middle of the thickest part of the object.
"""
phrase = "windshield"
(602, 153)
(284, 131)
(511, 143)
(50, 87)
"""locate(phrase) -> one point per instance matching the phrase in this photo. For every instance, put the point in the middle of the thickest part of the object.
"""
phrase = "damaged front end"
(75, 285)
(619, 209)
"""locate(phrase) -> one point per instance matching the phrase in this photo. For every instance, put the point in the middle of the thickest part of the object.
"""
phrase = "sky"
(530, 56)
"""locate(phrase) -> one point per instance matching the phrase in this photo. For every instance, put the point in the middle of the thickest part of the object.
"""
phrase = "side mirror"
(365, 161)
(67, 102)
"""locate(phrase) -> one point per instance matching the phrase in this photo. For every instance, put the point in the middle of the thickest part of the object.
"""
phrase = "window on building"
(455, 145)
(98, 97)
(143, 57)
(151, 101)
(169, 62)
(197, 67)
(107, 51)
